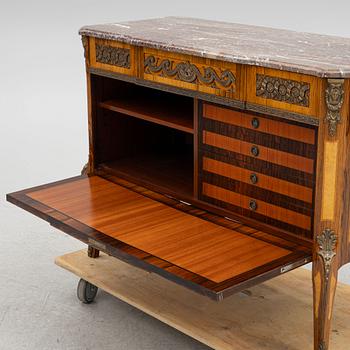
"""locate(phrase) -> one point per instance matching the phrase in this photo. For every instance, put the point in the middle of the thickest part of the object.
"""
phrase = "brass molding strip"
(334, 102)
(327, 242)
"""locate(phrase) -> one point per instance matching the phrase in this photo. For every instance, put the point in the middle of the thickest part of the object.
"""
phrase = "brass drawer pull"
(255, 123)
(253, 178)
(255, 151)
(253, 205)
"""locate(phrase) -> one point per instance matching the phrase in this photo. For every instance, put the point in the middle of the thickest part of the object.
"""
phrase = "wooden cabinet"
(213, 161)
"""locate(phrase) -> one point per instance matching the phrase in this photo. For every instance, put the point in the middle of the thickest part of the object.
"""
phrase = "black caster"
(86, 291)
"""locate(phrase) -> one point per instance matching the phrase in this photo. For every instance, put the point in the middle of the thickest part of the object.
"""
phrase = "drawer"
(238, 187)
(112, 56)
(258, 167)
(297, 93)
(191, 73)
(260, 123)
(254, 179)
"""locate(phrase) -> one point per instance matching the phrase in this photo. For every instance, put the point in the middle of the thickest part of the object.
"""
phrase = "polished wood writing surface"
(96, 194)
(191, 243)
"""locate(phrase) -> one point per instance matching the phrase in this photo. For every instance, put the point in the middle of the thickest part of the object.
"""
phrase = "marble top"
(314, 54)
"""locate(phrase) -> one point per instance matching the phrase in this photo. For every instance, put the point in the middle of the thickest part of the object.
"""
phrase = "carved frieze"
(334, 102)
(189, 72)
(115, 56)
(284, 90)
(327, 242)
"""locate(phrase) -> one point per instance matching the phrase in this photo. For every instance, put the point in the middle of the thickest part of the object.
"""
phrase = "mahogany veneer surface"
(199, 246)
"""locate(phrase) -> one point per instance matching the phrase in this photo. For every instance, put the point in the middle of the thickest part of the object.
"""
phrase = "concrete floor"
(43, 138)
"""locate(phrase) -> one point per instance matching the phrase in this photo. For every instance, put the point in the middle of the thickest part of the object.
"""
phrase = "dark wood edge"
(42, 187)
(260, 193)
(298, 262)
(252, 163)
(302, 118)
(110, 245)
(260, 138)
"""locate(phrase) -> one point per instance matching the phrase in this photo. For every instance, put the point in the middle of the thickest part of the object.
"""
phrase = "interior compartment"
(144, 135)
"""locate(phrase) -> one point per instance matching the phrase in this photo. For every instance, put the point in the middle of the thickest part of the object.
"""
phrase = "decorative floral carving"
(334, 101)
(189, 73)
(322, 346)
(85, 41)
(115, 56)
(327, 242)
(284, 90)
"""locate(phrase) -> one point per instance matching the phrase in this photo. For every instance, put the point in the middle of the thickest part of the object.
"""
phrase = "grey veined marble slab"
(319, 55)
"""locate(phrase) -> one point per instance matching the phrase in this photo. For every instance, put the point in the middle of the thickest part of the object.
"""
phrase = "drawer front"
(258, 167)
(292, 92)
(112, 56)
(190, 72)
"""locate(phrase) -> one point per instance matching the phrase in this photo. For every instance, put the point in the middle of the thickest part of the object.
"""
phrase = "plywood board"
(275, 315)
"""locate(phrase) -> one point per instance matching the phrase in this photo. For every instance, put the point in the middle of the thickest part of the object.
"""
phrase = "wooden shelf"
(170, 173)
(176, 115)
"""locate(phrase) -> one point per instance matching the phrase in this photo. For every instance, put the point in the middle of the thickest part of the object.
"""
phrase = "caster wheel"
(86, 291)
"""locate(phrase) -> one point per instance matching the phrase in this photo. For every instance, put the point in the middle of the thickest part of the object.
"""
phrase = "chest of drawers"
(215, 160)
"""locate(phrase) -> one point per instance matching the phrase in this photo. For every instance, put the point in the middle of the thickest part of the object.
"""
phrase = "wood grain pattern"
(329, 180)
(297, 255)
(268, 154)
(255, 164)
(266, 125)
(155, 111)
(181, 239)
(267, 182)
(254, 192)
(263, 208)
(219, 215)
(228, 163)
(260, 138)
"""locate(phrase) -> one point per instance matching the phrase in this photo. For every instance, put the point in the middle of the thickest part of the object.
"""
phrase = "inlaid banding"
(288, 130)
(258, 193)
(264, 153)
(261, 180)
(261, 138)
(254, 164)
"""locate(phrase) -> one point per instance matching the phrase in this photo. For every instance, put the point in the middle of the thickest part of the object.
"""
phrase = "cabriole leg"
(325, 276)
